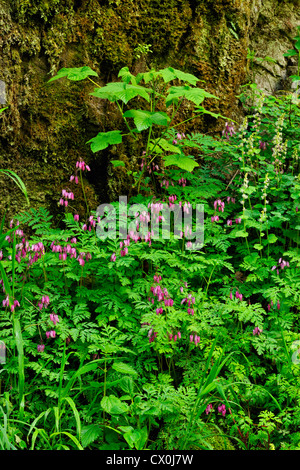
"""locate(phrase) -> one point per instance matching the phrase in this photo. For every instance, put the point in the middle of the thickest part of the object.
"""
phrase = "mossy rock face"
(46, 127)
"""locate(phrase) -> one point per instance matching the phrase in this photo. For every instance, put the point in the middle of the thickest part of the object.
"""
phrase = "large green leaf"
(121, 91)
(144, 119)
(181, 161)
(169, 74)
(117, 163)
(124, 368)
(162, 145)
(75, 74)
(290, 53)
(113, 405)
(196, 95)
(104, 139)
(147, 76)
(90, 433)
(135, 437)
(127, 76)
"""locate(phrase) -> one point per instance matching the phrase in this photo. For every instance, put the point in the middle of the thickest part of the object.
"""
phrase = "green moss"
(24, 10)
(47, 126)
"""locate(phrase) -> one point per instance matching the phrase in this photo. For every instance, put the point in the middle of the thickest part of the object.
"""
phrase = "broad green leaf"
(241, 233)
(135, 437)
(169, 74)
(124, 368)
(127, 385)
(290, 53)
(272, 238)
(127, 76)
(75, 74)
(257, 246)
(249, 189)
(196, 95)
(90, 433)
(117, 163)
(104, 139)
(121, 91)
(144, 119)
(147, 76)
(113, 405)
(162, 145)
(3, 109)
(181, 161)
(297, 44)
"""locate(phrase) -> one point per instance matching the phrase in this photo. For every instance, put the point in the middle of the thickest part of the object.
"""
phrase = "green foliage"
(182, 349)
(151, 118)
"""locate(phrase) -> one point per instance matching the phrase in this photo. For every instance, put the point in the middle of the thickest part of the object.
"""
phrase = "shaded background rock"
(45, 130)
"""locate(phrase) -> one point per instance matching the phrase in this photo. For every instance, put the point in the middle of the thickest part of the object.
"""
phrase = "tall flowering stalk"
(279, 147)
(243, 140)
(244, 197)
(263, 217)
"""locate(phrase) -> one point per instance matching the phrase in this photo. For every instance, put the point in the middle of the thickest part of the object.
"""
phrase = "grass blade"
(19, 344)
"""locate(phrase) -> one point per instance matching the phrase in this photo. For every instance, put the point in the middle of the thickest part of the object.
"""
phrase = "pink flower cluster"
(152, 167)
(144, 217)
(15, 304)
(166, 183)
(175, 337)
(282, 264)
(50, 333)
(228, 130)
(178, 137)
(152, 335)
(194, 339)
(222, 409)
(189, 301)
(271, 305)
(67, 195)
(209, 409)
(81, 165)
(70, 250)
(39, 251)
(23, 248)
(257, 331)
(237, 295)
(182, 182)
(44, 302)
(219, 204)
(230, 199)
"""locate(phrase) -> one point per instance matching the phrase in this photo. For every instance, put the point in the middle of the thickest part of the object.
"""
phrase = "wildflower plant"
(177, 346)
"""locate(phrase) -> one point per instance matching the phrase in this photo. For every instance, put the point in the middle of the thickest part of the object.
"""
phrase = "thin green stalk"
(82, 186)
(21, 373)
(126, 122)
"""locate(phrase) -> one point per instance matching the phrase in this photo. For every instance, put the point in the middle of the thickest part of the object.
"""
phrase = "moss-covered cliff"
(46, 127)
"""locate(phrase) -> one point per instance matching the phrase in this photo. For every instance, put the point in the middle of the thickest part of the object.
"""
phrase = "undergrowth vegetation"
(139, 342)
